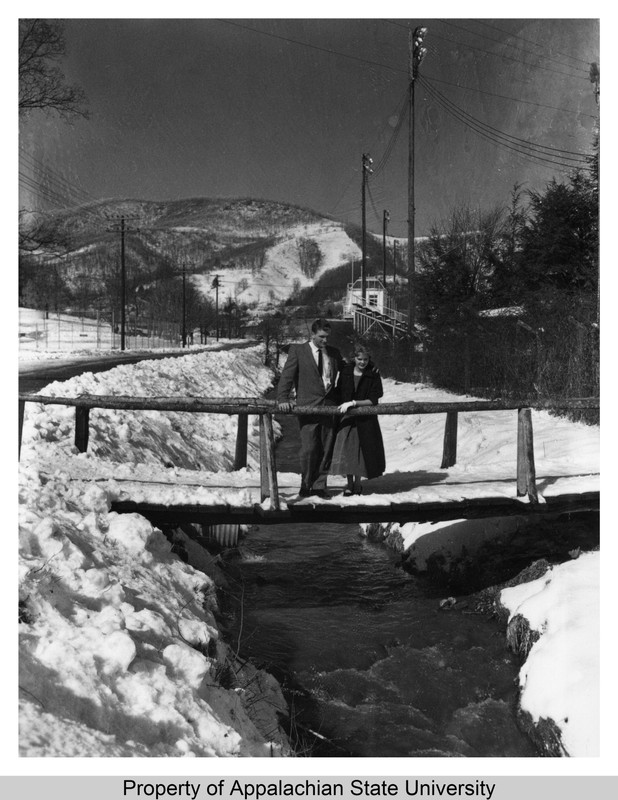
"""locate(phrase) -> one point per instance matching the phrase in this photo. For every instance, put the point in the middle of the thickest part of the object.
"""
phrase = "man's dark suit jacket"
(301, 373)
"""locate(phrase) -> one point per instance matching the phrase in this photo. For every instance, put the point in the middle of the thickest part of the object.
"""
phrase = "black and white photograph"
(309, 385)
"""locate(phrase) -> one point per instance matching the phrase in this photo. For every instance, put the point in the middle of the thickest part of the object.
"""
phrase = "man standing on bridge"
(312, 370)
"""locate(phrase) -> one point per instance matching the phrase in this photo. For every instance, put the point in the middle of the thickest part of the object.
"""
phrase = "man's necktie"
(320, 362)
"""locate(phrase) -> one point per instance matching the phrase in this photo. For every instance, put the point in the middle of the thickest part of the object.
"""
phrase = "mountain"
(263, 251)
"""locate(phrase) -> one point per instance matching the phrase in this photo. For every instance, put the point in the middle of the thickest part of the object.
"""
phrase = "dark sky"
(203, 107)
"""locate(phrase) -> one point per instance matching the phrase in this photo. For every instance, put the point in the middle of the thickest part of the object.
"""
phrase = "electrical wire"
(394, 135)
(398, 111)
(47, 173)
(569, 155)
(514, 99)
(518, 100)
(530, 41)
(313, 46)
(484, 131)
(507, 57)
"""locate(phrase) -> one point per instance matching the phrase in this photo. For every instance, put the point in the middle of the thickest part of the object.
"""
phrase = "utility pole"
(394, 270)
(385, 220)
(367, 162)
(123, 275)
(416, 53)
(184, 306)
(215, 286)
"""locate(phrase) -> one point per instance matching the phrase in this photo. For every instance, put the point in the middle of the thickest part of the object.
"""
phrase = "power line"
(313, 46)
(48, 173)
(394, 135)
(518, 100)
(401, 105)
(530, 41)
(484, 131)
(514, 99)
(507, 57)
(569, 155)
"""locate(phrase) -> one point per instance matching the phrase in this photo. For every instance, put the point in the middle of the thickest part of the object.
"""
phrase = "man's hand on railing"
(286, 406)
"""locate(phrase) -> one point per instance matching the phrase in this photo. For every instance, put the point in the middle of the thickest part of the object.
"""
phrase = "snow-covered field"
(118, 653)
(61, 333)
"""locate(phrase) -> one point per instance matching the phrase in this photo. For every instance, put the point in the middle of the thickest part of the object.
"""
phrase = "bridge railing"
(266, 409)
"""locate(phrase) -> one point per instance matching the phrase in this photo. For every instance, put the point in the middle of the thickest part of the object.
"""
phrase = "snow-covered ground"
(118, 655)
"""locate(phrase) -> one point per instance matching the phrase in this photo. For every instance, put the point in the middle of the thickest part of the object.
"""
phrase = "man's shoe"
(302, 492)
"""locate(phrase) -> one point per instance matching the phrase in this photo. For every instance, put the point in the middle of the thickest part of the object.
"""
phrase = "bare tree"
(41, 83)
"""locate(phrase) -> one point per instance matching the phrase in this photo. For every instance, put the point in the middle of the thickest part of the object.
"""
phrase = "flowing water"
(388, 672)
(374, 666)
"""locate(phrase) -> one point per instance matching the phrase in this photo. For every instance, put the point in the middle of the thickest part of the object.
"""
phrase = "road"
(34, 376)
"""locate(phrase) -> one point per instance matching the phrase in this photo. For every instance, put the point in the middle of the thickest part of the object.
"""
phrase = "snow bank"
(559, 680)
(119, 649)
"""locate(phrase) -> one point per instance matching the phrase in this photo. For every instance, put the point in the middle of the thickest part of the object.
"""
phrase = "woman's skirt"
(347, 454)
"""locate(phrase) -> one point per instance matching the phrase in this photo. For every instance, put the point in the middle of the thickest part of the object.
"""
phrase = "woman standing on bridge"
(359, 449)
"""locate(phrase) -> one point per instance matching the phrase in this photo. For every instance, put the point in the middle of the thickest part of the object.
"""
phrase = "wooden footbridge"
(521, 495)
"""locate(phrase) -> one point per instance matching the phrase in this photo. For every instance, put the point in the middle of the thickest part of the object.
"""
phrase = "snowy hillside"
(262, 250)
(295, 259)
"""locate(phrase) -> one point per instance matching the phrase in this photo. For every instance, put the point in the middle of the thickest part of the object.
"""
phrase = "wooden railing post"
(264, 489)
(82, 415)
(240, 455)
(526, 470)
(271, 466)
(22, 406)
(449, 450)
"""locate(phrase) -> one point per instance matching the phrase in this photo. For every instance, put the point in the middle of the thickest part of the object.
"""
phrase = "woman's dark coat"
(369, 434)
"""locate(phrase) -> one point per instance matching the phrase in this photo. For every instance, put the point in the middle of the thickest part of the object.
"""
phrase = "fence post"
(240, 456)
(449, 451)
(526, 471)
(271, 466)
(81, 428)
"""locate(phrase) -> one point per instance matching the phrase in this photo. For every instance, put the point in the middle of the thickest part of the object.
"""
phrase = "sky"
(283, 109)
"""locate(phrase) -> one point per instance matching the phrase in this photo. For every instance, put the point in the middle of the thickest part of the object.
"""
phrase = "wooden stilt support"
(240, 455)
(449, 450)
(526, 470)
(82, 415)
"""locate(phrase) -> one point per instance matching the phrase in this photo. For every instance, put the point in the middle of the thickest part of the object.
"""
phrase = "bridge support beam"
(526, 470)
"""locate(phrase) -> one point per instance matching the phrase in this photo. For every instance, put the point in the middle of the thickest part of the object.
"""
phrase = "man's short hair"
(320, 324)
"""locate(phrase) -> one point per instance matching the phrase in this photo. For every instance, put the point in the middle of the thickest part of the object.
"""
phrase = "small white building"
(376, 313)
(375, 296)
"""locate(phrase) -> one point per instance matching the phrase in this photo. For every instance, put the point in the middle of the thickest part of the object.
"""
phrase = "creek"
(371, 663)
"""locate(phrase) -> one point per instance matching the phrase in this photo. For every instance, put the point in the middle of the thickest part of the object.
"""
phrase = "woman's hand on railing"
(343, 408)
(285, 407)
